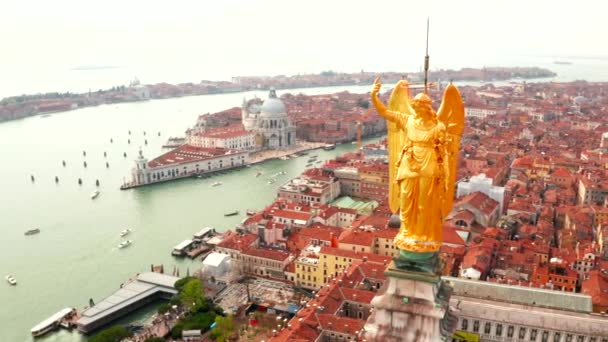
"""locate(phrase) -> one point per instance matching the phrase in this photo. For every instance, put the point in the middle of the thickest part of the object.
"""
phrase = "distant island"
(16, 107)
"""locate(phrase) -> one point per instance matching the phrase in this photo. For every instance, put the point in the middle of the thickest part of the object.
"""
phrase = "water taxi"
(125, 232)
(52, 322)
(95, 194)
(125, 244)
(216, 184)
(232, 213)
(32, 231)
(11, 280)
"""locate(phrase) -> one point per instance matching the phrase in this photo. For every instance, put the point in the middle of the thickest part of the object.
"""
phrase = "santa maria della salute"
(269, 122)
(264, 125)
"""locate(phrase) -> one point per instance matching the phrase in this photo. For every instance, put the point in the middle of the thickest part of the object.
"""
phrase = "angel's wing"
(399, 102)
(451, 113)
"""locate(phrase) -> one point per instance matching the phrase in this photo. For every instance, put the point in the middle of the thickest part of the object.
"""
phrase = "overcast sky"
(241, 35)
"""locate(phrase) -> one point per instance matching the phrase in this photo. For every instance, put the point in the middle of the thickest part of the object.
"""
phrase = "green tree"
(112, 334)
(192, 296)
(179, 285)
(164, 308)
(224, 328)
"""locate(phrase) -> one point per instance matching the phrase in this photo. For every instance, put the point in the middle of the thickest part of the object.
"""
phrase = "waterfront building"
(233, 136)
(184, 161)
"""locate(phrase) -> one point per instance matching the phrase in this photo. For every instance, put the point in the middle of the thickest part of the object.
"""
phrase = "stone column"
(410, 307)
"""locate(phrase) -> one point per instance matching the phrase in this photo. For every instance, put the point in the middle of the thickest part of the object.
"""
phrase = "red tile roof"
(266, 253)
(188, 154)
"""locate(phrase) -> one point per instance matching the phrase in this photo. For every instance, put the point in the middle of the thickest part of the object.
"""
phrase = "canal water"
(75, 256)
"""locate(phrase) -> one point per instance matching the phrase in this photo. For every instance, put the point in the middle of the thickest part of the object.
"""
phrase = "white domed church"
(269, 122)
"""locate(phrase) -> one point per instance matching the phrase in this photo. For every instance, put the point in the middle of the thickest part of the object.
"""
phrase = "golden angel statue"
(423, 155)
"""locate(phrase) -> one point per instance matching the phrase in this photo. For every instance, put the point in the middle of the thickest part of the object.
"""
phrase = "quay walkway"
(145, 288)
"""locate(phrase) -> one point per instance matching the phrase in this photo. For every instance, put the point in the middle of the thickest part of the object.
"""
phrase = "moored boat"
(125, 232)
(95, 194)
(11, 280)
(32, 231)
(232, 213)
(216, 184)
(52, 322)
(250, 212)
(124, 244)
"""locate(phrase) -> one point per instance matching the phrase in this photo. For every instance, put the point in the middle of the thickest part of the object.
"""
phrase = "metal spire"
(426, 59)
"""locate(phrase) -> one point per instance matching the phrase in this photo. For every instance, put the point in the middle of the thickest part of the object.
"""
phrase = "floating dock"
(145, 288)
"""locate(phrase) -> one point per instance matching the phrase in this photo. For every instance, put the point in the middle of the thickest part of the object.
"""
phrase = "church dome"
(273, 106)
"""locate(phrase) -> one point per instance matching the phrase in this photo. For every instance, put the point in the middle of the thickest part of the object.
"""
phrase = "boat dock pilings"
(125, 154)
(32, 178)
(97, 182)
(85, 164)
(79, 181)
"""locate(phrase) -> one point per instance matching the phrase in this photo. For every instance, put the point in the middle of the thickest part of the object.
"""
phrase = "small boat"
(125, 244)
(329, 147)
(216, 184)
(32, 231)
(11, 280)
(232, 213)
(125, 232)
(309, 165)
(318, 162)
(250, 212)
(258, 174)
(95, 194)
(272, 181)
(284, 158)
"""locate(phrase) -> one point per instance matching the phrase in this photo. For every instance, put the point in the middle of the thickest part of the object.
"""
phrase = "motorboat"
(232, 213)
(124, 244)
(95, 194)
(329, 147)
(125, 232)
(216, 184)
(272, 181)
(32, 231)
(11, 280)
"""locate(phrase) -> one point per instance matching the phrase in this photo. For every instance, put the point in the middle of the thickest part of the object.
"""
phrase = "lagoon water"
(75, 257)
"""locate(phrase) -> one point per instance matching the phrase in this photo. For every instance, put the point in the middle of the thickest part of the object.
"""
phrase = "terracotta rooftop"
(187, 154)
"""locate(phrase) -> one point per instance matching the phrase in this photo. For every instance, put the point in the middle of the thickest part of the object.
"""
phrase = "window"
(533, 333)
(510, 330)
(522, 333)
(475, 326)
(498, 329)
(545, 337)
(568, 337)
(487, 327)
(465, 324)
(557, 337)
